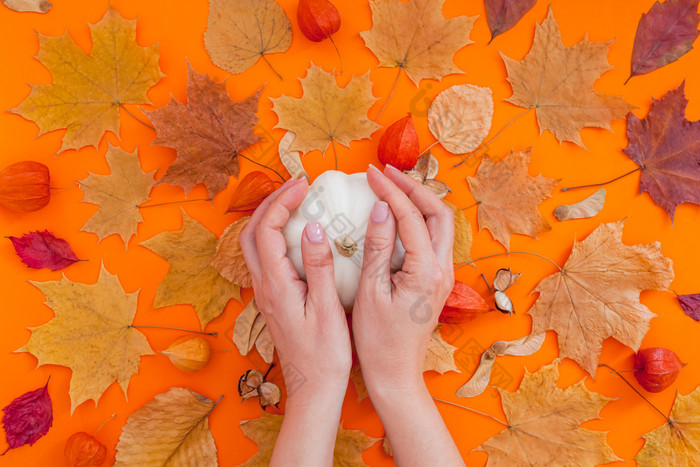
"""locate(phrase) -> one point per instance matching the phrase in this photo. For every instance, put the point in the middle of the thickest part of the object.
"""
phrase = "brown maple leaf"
(676, 442)
(558, 82)
(508, 197)
(91, 333)
(415, 37)
(191, 279)
(325, 112)
(172, 429)
(208, 133)
(88, 90)
(349, 444)
(543, 424)
(118, 195)
(228, 259)
(596, 295)
(440, 355)
(666, 146)
(240, 33)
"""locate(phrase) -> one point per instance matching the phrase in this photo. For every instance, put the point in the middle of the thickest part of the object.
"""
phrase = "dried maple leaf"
(325, 112)
(208, 133)
(251, 331)
(349, 444)
(460, 117)
(676, 442)
(27, 418)
(664, 34)
(228, 258)
(558, 82)
(191, 279)
(463, 235)
(38, 6)
(91, 334)
(543, 424)
(359, 381)
(596, 295)
(508, 197)
(170, 430)
(118, 195)
(691, 305)
(88, 90)
(415, 37)
(667, 148)
(504, 14)
(240, 33)
(440, 356)
(43, 250)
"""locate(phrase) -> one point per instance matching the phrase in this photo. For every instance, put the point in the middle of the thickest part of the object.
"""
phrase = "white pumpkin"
(342, 204)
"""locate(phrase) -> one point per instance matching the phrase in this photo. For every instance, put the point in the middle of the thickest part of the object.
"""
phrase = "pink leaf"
(44, 250)
(691, 305)
(28, 418)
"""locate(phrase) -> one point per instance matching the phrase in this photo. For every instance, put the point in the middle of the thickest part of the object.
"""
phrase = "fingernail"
(380, 212)
(372, 167)
(314, 232)
(391, 167)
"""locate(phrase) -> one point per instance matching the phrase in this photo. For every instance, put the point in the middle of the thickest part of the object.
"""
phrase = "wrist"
(316, 396)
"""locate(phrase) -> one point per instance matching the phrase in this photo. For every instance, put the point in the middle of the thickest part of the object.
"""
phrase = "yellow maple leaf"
(676, 442)
(91, 333)
(170, 430)
(543, 424)
(508, 197)
(415, 37)
(89, 89)
(440, 356)
(596, 295)
(118, 195)
(240, 33)
(558, 82)
(190, 279)
(325, 112)
(463, 235)
(349, 444)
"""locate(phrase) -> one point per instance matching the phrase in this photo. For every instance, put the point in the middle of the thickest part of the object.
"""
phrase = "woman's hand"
(395, 314)
(307, 324)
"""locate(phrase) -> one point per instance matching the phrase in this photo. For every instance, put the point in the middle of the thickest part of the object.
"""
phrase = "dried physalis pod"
(656, 368)
(249, 383)
(425, 171)
(585, 208)
(503, 303)
(270, 394)
(504, 278)
(24, 186)
(83, 450)
(189, 353)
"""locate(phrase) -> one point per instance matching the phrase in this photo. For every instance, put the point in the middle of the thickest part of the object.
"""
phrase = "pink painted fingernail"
(391, 167)
(372, 167)
(380, 212)
(314, 232)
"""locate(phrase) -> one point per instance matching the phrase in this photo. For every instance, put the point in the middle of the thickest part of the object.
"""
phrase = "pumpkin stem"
(345, 245)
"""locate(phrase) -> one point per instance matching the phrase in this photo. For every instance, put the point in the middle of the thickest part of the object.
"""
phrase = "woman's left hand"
(307, 324)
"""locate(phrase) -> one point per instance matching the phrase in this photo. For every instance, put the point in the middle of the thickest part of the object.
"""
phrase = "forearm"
(309, 429)
(415, 428)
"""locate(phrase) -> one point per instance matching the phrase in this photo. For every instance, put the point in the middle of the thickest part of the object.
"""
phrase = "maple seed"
(656, 368)
(399, 144)
(24, 186)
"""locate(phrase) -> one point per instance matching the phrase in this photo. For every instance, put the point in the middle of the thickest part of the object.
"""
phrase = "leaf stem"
(268, 371)
(429, 148)
(510, 253)
(338, 52)
(173, 202)
(634, 389)
(386, 102)
(335, 154)
(483, 145)
(261, 165)
(471, 410)
(63, 187)
(135, 117)
(46, 385)
(471, 205)
(604, 183)
(271, 67)
(104, 423)
(214, 334)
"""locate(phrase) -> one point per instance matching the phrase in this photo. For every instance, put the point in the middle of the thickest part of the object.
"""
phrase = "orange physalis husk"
(398, 145)
(24, 186)
(318, 19)
(189, 353)
(656, 368)
(250, 192)
(463, 304)
(83, 450)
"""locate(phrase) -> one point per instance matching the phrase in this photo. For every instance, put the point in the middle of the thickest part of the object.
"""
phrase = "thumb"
(318, 265)
(378, 248)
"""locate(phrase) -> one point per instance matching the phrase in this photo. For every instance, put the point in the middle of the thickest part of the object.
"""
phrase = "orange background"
(178, 27)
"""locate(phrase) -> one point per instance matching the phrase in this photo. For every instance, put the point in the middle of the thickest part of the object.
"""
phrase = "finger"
(439, 216)
(411, 226)
(247, 236)
(271, 245)
(318, 267)
(378, 249)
